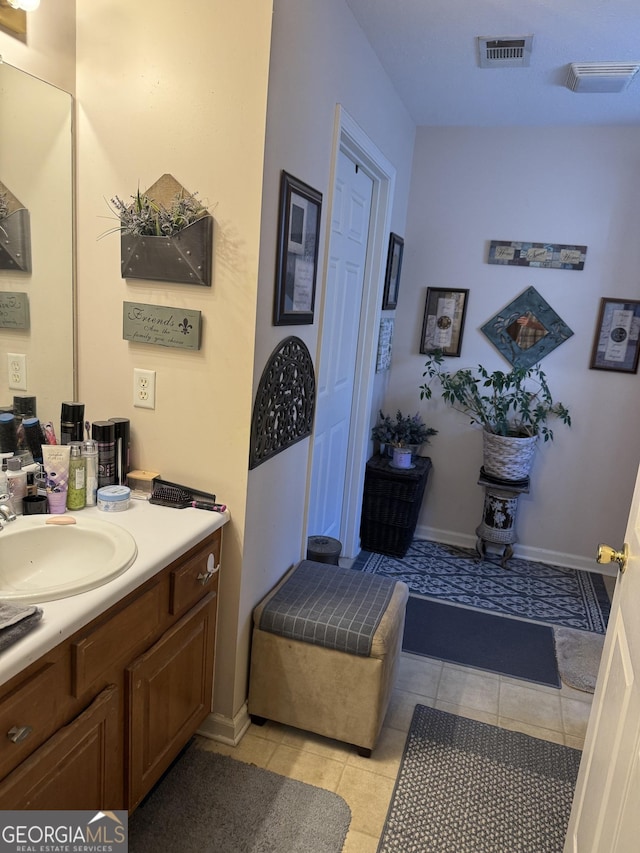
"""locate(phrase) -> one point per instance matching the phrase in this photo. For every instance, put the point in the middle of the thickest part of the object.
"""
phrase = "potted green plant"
(405, 434)
(166, 234)
(513, 408)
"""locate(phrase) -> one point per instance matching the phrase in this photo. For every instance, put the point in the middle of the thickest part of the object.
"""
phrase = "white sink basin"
(41, 561)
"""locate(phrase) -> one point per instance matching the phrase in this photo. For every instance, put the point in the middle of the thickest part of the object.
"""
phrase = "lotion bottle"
(17, 482)
(76, 489)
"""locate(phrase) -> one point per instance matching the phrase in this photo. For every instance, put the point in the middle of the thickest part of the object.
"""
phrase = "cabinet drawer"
(31, 713)
(197, 576)
(79, 767)
(117, 639)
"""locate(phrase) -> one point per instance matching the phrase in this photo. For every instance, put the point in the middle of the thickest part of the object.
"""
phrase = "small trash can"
(323, 549)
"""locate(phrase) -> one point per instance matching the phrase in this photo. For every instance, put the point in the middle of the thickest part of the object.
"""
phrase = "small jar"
(113, 498)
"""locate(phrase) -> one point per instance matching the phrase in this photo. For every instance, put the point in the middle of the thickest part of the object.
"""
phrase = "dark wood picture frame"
(616, 343)
(445, 310)
(392, 275)
(297, 252)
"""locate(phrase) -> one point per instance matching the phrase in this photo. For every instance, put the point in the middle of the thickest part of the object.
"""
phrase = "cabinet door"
(169, 691)
(80, 767)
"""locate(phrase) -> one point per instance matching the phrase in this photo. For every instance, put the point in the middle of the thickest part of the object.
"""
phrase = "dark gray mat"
(210, 803)
(468, 787)
(474, 638)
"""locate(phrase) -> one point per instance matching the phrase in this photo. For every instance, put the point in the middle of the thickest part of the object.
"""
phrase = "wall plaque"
(160, 325)
(14, 311)
(548, 255)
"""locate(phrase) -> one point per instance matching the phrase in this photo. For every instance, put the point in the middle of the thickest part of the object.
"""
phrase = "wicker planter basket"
(508, 457)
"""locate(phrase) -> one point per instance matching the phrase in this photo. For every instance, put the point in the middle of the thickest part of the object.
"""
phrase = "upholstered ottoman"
(325, 649)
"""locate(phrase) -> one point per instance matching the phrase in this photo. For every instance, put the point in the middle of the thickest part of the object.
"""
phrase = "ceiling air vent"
(504, 51)
(601, 76)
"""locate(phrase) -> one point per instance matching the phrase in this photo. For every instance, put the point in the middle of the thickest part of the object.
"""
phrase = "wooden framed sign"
(161, 325)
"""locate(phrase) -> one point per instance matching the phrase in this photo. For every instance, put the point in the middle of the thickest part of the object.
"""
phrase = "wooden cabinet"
(95, 723)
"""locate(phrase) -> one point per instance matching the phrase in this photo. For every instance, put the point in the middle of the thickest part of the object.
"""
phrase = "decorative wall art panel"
(527, 329)
(385, 337)
(548, 255)
(285, 401)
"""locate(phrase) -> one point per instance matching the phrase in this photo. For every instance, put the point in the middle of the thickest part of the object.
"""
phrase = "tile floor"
(367, 784)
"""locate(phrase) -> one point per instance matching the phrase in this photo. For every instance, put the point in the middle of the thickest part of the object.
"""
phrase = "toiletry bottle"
(8, 433)
(34, 437)
(17, 481)
(4, 484)
(76, 489)
(104, 432)
(71, 422)
(122, 432)
(90, 453)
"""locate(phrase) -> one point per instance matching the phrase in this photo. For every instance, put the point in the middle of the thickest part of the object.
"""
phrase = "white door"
(350, 217)
(606, 807)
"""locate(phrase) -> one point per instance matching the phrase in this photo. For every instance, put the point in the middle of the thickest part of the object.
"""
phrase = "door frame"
(349, 137)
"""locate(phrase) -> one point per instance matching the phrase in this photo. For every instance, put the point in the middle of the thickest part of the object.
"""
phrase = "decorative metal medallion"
(285, 402)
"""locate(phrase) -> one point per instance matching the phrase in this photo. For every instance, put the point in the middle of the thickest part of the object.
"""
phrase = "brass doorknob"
(607, 554)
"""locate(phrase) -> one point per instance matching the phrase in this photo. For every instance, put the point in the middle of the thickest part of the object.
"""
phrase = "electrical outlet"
(17, 364)
(144, 388)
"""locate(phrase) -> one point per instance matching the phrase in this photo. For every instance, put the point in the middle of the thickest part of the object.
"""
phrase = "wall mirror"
(36, 163)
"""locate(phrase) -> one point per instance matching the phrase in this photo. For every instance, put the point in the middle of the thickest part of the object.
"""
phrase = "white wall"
(178, 89)
(470, 186)
(319, 58)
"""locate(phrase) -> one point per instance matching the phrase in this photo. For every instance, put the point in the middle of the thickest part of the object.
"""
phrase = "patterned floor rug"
(526, 589)
(470, 787)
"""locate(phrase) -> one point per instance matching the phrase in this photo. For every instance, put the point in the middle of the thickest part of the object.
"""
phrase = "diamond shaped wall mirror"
(527, 329)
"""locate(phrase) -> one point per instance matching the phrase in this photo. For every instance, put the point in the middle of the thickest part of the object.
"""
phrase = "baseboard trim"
(226, 729)
(539, 555)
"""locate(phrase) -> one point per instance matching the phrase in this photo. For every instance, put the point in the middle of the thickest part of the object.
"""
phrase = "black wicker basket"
(391, 505)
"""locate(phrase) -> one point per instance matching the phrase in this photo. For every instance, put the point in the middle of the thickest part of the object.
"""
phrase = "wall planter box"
(15, 242)
(15, 234)
(184, 258)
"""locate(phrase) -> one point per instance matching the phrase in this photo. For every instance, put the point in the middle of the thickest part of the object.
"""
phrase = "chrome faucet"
(6, 509)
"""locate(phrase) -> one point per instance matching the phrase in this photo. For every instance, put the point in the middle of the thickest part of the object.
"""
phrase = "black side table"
(391, 504)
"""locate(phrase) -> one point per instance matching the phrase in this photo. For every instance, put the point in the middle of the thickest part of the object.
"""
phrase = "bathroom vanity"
(98, 700)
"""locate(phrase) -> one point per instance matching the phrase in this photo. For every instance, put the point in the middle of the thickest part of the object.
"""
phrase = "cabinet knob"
(19, 733)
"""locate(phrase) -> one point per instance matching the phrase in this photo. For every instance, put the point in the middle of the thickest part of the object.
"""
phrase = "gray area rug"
(210, 803)
(526, 589)
(468, 787)
(578, 654)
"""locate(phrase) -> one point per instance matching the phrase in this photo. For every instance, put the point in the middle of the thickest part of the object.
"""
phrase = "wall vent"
(504, 51)
(601, 76)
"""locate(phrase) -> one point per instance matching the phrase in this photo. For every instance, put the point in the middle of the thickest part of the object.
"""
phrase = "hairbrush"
(179, 498)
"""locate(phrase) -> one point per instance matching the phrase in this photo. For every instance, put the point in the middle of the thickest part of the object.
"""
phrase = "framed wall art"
(385, 338)
(527, 329)
(443, 322)
(616, 345)
(392, 275)
(297, 252)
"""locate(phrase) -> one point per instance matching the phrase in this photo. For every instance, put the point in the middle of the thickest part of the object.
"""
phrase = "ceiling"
(429, 50)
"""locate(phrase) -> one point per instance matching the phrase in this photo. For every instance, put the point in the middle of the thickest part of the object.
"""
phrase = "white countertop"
(162, 535)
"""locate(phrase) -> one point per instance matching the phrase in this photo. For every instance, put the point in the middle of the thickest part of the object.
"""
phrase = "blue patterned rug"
(526, 589)
(470, 787)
